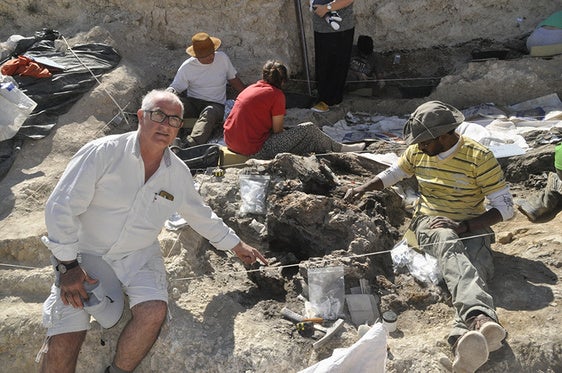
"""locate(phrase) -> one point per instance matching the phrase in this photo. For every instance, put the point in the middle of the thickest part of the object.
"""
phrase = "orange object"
(317, 320)
(25, 66)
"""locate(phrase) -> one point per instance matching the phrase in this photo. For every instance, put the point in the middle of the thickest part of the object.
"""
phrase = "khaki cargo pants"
(466, 265)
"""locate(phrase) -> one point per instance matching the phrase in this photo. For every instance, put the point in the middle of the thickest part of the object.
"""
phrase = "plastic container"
(101, 306)
(15, 107)
(92, 290)
(389, 321)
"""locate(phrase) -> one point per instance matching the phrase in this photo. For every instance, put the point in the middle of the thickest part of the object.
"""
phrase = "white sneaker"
(491, 330)
(471, 352)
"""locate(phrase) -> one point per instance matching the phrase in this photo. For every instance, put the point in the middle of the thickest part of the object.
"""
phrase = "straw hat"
(203, 45)
(431, 120)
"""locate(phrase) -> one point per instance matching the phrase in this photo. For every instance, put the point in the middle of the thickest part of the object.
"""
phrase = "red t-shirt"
(250, 121)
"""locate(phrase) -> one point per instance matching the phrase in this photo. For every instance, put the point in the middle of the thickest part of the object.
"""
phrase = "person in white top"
(103, 220)
(203, 77)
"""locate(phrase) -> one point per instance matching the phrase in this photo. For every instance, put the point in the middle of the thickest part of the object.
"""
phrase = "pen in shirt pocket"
(165, 195)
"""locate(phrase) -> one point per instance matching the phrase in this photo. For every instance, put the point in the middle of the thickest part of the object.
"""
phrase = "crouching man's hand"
(443, 222)
(353, 193)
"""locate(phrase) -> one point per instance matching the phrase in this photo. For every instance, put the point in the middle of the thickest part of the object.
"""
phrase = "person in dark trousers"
(451, 222)
(332, 52)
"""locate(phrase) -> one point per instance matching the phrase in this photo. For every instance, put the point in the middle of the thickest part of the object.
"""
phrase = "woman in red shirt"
(254, 126)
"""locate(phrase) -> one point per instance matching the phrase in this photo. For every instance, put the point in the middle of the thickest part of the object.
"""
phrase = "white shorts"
(149, 283)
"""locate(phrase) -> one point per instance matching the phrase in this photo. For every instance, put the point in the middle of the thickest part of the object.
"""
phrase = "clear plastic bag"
(253, 190)
(15, 107)
(326, 288)
(422, 266)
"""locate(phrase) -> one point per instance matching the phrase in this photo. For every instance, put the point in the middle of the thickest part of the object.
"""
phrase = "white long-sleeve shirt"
(103, 206)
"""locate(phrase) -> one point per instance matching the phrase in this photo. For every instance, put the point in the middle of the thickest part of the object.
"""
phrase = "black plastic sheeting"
(56, 95)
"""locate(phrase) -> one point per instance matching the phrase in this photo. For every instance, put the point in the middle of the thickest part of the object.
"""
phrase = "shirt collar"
(136, 151)
(167, 157)
(136, 146)
(453, 149)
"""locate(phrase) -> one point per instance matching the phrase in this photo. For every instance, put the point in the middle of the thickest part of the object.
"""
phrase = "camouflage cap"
(430, 120)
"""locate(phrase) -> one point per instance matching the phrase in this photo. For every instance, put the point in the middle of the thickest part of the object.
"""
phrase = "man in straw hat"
(204, 77)
(451, 222)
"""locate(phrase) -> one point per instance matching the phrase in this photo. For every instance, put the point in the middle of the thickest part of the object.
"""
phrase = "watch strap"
(68, 266)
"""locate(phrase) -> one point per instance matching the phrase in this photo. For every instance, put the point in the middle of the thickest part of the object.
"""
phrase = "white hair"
(150, 97)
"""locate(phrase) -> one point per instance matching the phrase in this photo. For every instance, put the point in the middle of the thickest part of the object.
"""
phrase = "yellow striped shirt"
(454, 187)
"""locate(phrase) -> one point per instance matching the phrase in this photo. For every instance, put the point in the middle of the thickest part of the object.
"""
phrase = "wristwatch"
(65, 267)
(329, 6)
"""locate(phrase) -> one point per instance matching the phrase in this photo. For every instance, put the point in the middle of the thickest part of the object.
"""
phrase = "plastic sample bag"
(326, 288)
(15, 107)
(253, 190)
(423, 267)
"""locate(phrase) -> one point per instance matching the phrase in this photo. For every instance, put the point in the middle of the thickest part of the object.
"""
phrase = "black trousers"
(332, 51)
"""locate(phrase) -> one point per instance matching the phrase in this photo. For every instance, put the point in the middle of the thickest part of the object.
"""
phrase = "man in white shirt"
(103, 220)
(204, 77)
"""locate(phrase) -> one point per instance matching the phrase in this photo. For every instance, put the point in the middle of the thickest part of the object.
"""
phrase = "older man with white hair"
(103, 220)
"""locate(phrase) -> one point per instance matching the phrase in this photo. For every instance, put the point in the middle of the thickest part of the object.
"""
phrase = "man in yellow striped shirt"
(456, 175)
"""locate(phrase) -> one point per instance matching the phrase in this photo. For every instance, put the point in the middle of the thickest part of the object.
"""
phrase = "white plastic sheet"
(368, 354)
(498, 129)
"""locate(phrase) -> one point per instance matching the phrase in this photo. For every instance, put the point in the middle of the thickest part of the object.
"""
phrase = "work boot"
(545, 202)
(554, 183)
(491, 330)
(471, 352)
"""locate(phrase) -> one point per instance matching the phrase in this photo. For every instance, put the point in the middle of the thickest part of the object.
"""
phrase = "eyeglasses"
(159, 117)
